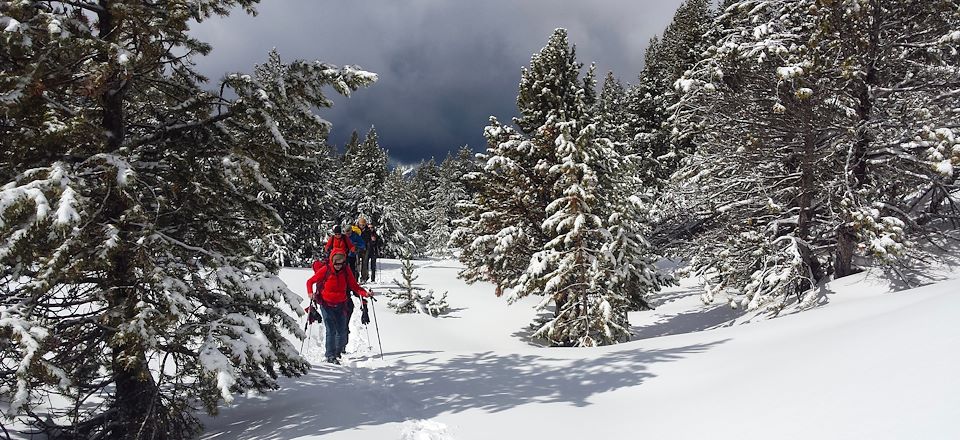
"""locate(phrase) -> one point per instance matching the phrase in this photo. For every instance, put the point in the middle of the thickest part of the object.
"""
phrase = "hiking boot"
(333, 360)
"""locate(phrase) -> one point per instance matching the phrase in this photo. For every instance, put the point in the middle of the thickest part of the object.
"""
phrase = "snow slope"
(870, 364)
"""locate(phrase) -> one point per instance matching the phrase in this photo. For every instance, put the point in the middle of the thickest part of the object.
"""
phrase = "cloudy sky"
(445, 66)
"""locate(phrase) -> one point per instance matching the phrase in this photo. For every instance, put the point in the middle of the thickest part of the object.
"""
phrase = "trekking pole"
(376, 325)
(306, 323)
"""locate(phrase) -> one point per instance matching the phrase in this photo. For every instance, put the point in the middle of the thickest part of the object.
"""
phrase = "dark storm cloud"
(445, 67)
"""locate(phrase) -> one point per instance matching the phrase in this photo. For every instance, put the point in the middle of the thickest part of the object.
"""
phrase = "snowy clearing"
(868, 364)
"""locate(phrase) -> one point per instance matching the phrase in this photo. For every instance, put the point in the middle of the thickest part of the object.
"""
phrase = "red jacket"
(334, 288)
(340, 243)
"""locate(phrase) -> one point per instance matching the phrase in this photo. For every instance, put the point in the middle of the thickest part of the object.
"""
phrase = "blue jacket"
(358, 242)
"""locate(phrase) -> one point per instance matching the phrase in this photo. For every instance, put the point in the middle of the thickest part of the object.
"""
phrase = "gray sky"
(445, 66)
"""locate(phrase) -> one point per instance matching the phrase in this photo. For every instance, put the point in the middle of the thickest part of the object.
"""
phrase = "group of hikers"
(334, 279)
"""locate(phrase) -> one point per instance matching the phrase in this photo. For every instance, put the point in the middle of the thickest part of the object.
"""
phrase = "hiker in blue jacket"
(353, 233)
(364, 256)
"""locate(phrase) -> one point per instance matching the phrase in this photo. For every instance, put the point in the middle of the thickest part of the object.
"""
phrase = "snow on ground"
(866, 363)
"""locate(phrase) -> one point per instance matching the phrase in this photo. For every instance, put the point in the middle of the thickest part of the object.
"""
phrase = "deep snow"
(866, 363)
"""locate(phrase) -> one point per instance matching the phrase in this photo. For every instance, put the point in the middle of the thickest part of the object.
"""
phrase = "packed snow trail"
(867, 365)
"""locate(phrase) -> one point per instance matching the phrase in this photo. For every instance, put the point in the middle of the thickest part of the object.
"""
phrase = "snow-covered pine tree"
(423, 181)
(625, 189)
(537, 220)
(574, 268)
(464, 163)
(501, 228)
(804, 161)
(896, 81)
(393, 222)
(305, 198)
(492, 231)
(365, 171)
(306, 192)
(343, 177)
(444, 199)
(407, 297)
(666, 59)
(757, 170)
(129, 203)
(611, 112)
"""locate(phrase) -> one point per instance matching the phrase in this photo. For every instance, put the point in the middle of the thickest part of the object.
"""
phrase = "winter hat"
(337, 230)
(338, 257)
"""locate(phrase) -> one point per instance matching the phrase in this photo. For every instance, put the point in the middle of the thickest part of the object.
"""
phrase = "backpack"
(333, 245)
(320, 284)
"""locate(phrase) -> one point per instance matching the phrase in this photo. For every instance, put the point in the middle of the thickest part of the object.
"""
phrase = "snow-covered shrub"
(408, 298)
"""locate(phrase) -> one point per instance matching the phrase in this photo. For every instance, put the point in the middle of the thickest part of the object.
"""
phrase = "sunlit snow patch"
(424, 430)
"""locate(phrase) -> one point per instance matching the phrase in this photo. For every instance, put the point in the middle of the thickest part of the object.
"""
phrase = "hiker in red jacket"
(333, 281)
(339, 242)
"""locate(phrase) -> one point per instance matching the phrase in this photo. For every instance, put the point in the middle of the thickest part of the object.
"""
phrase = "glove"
(364, 317)
(313, 315)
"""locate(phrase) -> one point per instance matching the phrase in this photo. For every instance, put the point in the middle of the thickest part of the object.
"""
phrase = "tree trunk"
(843, 265)
(857, 162)
(115, 88)
(135, 409)
(138, 416)
(807, 192)
(135, 413)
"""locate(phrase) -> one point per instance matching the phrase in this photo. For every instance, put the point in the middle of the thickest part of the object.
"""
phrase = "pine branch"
(166, 131)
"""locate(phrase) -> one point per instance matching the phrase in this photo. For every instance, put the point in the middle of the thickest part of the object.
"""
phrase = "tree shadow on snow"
(709, 317)
(671, 295)
(450, 313)
(525, 334)
(417, 386)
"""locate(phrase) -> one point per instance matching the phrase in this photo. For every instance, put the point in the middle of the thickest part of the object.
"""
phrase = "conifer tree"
(515, 186)
(444, 199)
(129, 211)
(498, 229)
(539, 219)
(407, 297)
(351, 149)
(364, 174)
(372, 166)
(666, 59)
(431, 187)
(625, 186)
(304, 194)
(422, 224)
(396, 216)
(573, 269)
(820, 139)
(613, 122)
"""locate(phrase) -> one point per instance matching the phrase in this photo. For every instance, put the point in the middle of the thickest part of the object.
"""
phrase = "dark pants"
(373, 268)
(352, 262)
(362, 254)
(336, 322)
